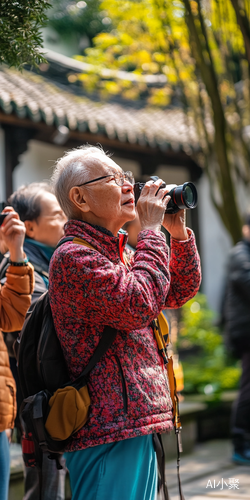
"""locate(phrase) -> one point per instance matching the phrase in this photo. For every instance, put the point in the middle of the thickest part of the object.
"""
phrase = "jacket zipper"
(121, 246)
(12, 394)
(124, 390)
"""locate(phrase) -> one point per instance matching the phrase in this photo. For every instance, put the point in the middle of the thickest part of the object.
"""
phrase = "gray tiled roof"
(30, 95)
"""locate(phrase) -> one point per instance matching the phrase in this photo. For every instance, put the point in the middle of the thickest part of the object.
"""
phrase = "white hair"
(74, 169)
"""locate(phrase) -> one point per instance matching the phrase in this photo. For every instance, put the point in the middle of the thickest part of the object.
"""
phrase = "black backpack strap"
(38, 418)
(179, 450)
(64, 240)
(160, 455)
(108, 336)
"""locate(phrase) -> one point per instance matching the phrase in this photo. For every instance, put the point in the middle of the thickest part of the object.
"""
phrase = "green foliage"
(207, 368)
(151, 36)
(202, 51)
(20, 39)
(79, 17)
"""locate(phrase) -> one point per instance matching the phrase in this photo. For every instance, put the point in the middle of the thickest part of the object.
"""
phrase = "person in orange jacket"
(15, 299)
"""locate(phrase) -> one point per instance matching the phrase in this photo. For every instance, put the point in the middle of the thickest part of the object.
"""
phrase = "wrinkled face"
(49, 227)
(109, 205)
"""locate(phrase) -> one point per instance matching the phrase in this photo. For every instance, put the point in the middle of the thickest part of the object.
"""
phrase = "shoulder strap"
(108, 336)
(160, 455)
(106, 340)
(78, 241)
(64, 240)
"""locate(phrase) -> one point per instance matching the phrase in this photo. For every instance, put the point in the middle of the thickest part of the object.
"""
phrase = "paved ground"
(207, 473)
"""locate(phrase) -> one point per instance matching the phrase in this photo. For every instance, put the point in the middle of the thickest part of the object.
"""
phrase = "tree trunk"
(201, 53)
(244, 26)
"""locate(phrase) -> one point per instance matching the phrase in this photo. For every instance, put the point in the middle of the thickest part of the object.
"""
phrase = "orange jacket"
(15, 298)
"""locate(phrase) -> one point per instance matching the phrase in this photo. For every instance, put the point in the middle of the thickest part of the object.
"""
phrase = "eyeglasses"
(119, 178)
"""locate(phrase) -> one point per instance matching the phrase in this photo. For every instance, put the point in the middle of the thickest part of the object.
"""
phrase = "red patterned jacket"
(128, 387)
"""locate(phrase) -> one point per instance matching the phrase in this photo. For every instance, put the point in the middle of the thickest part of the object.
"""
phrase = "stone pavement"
(208, 473)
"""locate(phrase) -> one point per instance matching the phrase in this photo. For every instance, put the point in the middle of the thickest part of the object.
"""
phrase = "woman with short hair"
(15, 299)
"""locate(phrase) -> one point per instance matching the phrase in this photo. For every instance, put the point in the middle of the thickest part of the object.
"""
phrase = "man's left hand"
(176, 225)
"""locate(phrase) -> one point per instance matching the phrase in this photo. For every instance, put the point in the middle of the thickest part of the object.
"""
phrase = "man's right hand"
(13, 233)
(152, 204)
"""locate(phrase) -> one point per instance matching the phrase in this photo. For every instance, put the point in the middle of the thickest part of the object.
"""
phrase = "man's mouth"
(129, 202)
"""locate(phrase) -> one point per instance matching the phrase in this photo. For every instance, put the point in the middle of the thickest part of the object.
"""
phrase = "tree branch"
(244, 26)
(206, 68)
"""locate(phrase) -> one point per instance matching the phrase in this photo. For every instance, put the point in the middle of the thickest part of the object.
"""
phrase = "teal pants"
(4, 465)
(126, 470)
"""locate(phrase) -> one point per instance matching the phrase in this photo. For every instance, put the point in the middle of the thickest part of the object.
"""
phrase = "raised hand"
(152, 204)
(13, 233)
(175, 224)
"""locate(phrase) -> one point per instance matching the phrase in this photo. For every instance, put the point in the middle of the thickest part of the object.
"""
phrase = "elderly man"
(113, 455)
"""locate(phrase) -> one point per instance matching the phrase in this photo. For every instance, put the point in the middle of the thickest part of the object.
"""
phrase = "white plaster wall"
(36, 164)
(172, 175)
(215, 244)
(126, 165)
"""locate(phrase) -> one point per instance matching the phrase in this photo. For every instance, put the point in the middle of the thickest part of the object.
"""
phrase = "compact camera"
(183, 196)
(2, 217)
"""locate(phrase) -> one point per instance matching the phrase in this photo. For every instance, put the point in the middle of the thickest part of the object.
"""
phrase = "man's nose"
(127, 187)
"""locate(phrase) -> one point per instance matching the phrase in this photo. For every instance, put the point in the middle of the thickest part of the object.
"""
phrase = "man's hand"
(176, 225)
(152, 204)
(8, 434)
(13, 233)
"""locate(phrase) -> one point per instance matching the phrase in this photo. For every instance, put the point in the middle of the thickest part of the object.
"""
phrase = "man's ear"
(77, 198)
(246, 232)
(30, 228)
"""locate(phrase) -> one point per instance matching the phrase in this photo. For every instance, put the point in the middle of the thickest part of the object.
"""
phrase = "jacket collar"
(247, 243)
(99, 237)
(36, 254)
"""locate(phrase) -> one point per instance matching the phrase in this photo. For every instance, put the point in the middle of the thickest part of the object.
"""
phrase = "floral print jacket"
(90, 289)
